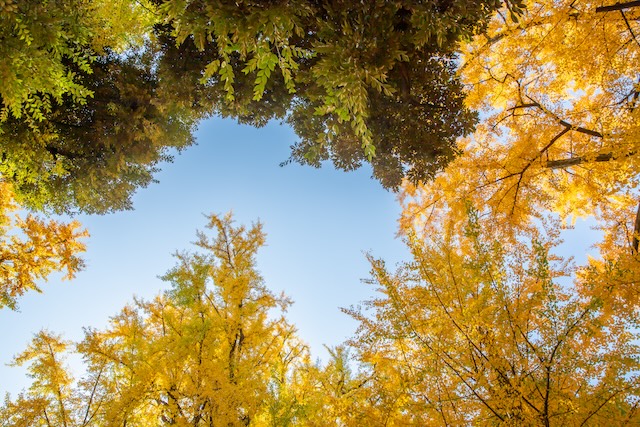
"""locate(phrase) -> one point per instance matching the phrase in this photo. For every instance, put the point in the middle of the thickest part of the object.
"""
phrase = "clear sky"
(319, 224)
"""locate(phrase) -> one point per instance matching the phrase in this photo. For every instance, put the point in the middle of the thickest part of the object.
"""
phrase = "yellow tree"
(31, 249)
(558, 90)
(202, 353)
(483, 329)
(335, 392)
(207, 352)
(51, 400)
(290, 386)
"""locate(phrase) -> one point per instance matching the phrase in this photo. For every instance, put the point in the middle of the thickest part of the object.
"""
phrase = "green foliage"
(359, 82)
(81, 125)
(92, 155)
(45, 46)
(36, 38)
(85, 119)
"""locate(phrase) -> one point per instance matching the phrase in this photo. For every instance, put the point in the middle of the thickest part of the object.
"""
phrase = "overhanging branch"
(617, 6)
(566, 124)
(573, 161)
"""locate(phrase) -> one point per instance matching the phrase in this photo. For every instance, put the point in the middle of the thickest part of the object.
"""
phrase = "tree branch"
(581, 129)
(564, 123)
(539, 155)
(617, 6)
(86, 419)
(573, 161)
(56, 151)
(565, 163)
(626, 21)
(636, 232)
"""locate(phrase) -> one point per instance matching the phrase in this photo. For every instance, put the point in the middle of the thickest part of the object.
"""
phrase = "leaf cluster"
(31, 249)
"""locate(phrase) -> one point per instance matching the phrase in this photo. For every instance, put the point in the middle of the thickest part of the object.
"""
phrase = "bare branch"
(528, 105)
(581, 129)
(636, 232)
(539, 155)
(535, 104)
(573, 161)
(617, 6)
(626, 21)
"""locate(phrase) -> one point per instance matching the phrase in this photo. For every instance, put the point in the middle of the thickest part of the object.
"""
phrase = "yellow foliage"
(559, 133)
(206, 352)
(48, 401)
(483, 329)
(31, 249)
(559, 138)
(558, 93)
(119, 24)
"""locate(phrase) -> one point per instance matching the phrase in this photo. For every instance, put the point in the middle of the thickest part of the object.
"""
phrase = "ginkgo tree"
(484, 328)
(209, 351)
(557, 88)
(201, 353)
(50, 397)
(488, 325)
(559, 131)
(558, 136)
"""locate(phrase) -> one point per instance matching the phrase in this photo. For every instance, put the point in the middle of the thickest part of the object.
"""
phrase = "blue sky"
(319, 224)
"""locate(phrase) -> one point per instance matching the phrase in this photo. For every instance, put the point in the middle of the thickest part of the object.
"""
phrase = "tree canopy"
(358, 81)
(481, 327)
(487, 323)
(209, 351)
(82, 124)
(92, 156)
(95, 94)
(557, 89)
(560, 117)
(486, 328)
(560, 129)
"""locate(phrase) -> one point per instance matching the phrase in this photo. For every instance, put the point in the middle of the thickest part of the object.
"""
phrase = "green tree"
(93, 155)
(82, 124)
(364, 81)
(46, 44)
(359, 82)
